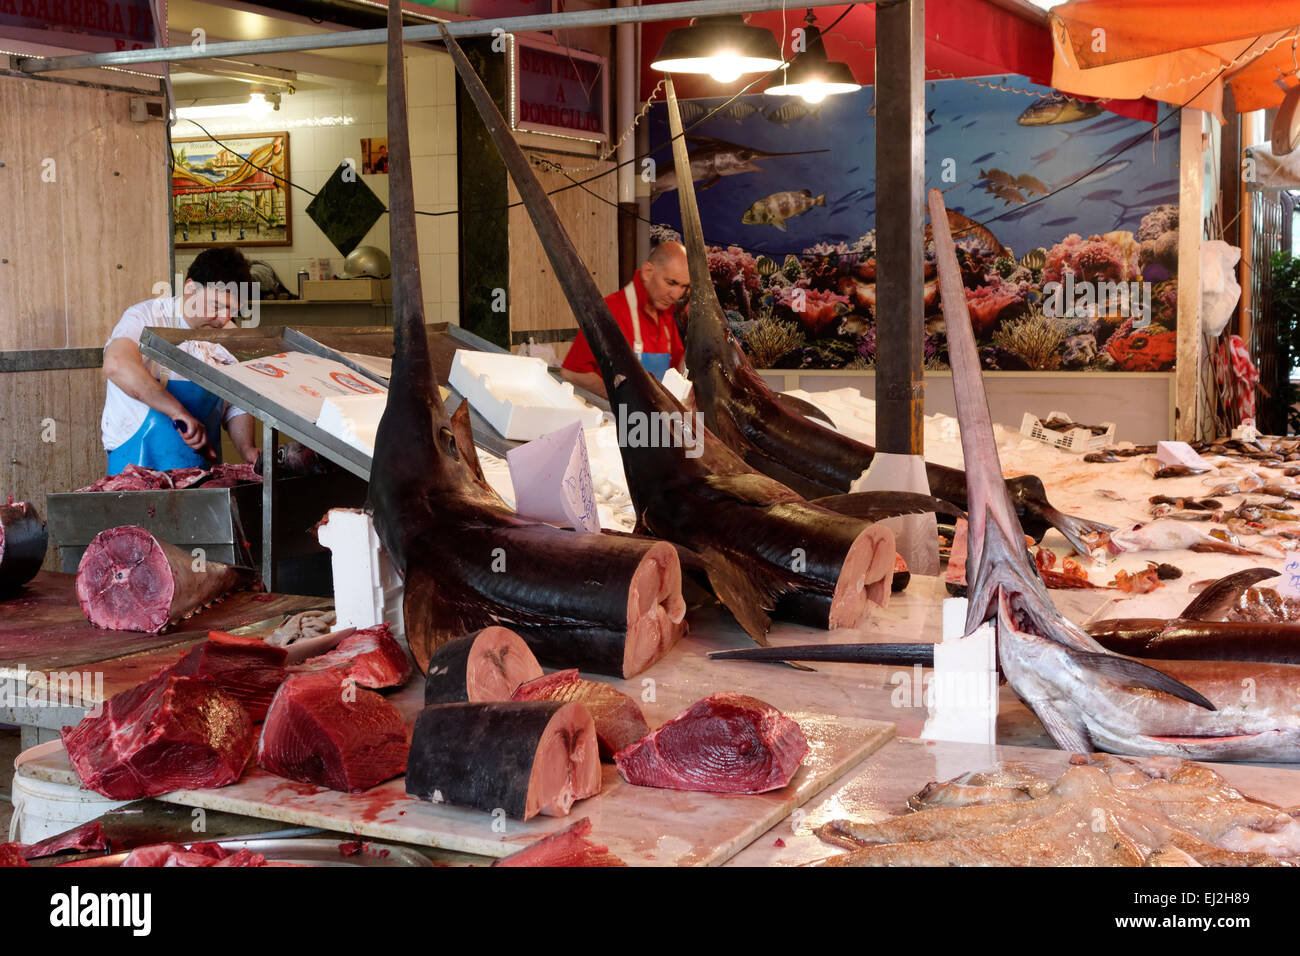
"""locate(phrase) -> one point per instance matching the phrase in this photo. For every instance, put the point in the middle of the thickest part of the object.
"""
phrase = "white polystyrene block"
(678, 385)
(367, 588)
(353, 419)
(954, 617)
(964, 689)
(516, 395)
(1179, 453)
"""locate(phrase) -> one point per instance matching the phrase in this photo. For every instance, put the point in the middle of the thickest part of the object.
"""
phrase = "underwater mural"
(1065, 216)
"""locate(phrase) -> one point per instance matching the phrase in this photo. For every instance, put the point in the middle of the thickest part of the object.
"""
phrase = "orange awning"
(1178, 51)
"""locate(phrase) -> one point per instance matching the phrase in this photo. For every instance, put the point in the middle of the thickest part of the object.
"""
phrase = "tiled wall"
(327, 126)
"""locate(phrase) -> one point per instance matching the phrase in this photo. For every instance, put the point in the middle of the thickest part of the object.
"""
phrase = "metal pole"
(413, 34)
(900, 264)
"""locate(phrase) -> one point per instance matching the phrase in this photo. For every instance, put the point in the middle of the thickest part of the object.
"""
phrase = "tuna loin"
(372, 657)
(248, 669)
(618, 718)
(323, 730)
(23, 541)
(487, 665)
(524, 757)
(569, 847)
(726, 743)
(601, 602)
(169, 733)
(128, 580)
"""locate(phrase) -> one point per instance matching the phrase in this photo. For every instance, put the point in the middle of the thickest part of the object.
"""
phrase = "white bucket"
(43, 809)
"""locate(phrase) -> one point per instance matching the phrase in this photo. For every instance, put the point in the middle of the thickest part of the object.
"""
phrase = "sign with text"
(559, 90)
(93, 26)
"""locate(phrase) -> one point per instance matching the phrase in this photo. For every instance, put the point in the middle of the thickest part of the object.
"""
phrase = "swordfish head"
(1053, 665)
(416, 454)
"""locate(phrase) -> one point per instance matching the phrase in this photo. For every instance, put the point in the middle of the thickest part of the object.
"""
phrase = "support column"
(1187, 368)
(900, 174)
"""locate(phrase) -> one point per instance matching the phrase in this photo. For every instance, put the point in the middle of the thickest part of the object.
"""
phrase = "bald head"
(666, 275)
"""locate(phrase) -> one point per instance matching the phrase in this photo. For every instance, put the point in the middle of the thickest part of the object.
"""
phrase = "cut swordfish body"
(618, 718)
(487, 665)
(600, 602)
(726, 743)
(23, 541)
(759, 540)
(523, 757)
(321, 730)
(129, 580)
(171, 732)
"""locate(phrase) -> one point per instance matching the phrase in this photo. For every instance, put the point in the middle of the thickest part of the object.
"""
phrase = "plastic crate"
(1077, 440)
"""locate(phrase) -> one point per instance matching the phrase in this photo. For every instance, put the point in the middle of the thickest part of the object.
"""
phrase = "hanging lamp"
(725, 47)
(811, 75)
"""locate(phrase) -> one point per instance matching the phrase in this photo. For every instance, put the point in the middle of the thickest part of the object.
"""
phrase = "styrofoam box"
(353, 419)
(516, 394)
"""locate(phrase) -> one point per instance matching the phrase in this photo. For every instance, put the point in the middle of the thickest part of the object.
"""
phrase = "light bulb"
(726, 69)
(814, 93)
(258, 104)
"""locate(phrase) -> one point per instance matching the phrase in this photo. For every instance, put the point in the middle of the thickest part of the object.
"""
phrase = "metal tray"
(313, 852)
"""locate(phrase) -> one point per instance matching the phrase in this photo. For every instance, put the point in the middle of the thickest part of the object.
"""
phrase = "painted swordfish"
(776, 435)
(611, 604)
(764, 547)
(1086, 697)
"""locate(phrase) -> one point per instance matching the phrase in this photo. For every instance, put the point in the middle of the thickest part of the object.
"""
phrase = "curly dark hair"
(219, 264)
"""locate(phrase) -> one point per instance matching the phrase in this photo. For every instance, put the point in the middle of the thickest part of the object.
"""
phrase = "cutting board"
(641, 825)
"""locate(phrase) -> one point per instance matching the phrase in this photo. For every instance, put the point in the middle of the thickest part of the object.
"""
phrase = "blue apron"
(158, 444)
(656, 363)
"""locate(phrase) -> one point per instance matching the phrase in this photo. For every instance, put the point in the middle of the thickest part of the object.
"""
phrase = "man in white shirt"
(154, 418)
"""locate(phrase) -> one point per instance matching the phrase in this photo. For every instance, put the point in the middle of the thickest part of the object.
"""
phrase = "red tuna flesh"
(248, 669)
(11, 854)
(618, 718)
(200, 854)
(371, 657)
(128, 580)
(169, 733)
(89, 836)
(726, 743)
(487, 665)
(569, 847)
(322, 729)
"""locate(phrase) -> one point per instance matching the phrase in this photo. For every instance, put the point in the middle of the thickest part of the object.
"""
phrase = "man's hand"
(591, 381)
(191, 429)
(242, 432)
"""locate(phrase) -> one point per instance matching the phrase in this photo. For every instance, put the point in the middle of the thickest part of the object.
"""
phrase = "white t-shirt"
(123, 415)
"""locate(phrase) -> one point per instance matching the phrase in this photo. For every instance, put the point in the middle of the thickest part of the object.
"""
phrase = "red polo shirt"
(657, 335)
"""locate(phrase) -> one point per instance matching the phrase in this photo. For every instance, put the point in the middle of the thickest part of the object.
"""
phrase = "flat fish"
(523, 757)
(726, 743)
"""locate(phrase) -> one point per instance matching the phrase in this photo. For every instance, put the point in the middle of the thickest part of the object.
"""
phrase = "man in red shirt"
(651, 329)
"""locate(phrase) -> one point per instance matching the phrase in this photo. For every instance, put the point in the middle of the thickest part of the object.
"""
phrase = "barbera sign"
(79, 24)
(560, 91)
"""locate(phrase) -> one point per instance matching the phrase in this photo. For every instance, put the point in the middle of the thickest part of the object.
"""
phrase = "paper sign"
(552, 479)
(1289, 583)
(1179, 453)
(917, 536)
(301, 382)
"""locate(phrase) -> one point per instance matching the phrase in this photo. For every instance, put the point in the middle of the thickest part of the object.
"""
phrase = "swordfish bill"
(601, 603)
(766, 429)
(761, 543)
(1087, 697)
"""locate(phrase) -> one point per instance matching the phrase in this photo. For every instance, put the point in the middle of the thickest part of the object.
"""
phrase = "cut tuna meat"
(135, 478)
(23, 541)
(371, 657)
(129, 580)
(11, 854)
(653, 616)
(487, 665)
(132, 478)
(954, 578)
(726, 743)
(523, 757)
(169, 733)
(323, 729)
(618, 718)
(227, 476)
(569, 847)
(89, 836)
(248, 669)
(200, 854)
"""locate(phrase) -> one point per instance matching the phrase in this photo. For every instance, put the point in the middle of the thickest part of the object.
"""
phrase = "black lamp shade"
(697, 48)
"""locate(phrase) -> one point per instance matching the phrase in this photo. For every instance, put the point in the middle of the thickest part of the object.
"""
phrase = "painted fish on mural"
(1056, 109)
(963, 227)
(775, 209)
(711, 159)
(791, 112)
(1031, 185)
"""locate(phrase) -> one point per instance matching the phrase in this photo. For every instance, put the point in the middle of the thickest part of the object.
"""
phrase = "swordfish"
(1086, 697)
(769, 432)
(598, 602)
(764, 547)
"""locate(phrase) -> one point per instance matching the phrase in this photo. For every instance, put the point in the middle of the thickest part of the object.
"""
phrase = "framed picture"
(235, 192)
(558, 90)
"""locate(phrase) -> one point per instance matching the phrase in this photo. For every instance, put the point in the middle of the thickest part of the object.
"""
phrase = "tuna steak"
(324, 730)
(371, 657)
(618, 719)
(248, 669)
(569, 847)
(523, 757)
(487, 665)
(23, 541)
(200, 854)
(169, 733)
(726, 743)
(128, 580)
